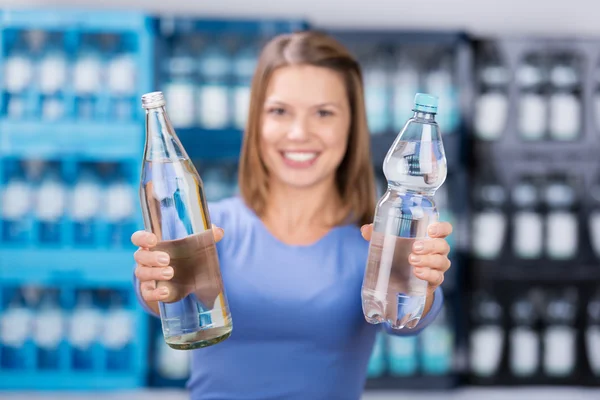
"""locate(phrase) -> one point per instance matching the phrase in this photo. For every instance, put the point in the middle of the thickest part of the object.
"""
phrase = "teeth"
(300, 157)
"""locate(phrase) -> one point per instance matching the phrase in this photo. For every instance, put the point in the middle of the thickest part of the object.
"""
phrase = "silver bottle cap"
(153, 100)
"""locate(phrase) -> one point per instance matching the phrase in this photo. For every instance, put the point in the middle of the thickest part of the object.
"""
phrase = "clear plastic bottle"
(415, 167)
(196, 314)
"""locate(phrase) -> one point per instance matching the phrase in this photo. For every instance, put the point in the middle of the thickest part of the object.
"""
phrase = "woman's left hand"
(428, 256)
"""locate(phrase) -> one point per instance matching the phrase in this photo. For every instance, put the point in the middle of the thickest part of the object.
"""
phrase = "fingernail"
(222, 231)
(414, 258)
(164, 291)
(167, 272)
(433, 230)
(419, 271)
(151, 240)
(418, 246)
(163, 259)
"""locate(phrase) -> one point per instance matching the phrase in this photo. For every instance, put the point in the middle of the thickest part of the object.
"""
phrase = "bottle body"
(414, 167)
(174, 206)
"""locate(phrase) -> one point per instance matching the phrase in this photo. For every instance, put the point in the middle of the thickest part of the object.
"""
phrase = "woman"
(292, 256)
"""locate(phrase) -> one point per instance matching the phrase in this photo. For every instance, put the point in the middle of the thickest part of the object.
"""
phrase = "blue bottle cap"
(426, 103)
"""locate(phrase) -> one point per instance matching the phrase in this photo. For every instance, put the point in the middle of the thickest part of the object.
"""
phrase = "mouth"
(299, 159)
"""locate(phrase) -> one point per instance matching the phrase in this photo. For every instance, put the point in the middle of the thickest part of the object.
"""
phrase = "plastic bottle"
(528, 237)
(562, 224)
(524, 338)
(174, 207)
(560, 335)
(592, 333)
(486, 340)
(377, 94)
(437, 346)
(489, 221)
(415, 167)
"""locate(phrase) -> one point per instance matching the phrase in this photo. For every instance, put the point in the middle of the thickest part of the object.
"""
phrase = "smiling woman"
(311, 130)
(291, 247)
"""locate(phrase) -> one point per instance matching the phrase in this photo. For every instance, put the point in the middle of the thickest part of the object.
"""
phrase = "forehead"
(306, 84)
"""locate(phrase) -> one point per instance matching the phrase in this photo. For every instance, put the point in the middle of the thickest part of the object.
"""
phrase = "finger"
(145, 273)
(144, 239)
(431, 246)
(217, 233)
(150, 293)
(433, 261)
(432, 276)
(440, 230)
(366, 231)
(151, 258)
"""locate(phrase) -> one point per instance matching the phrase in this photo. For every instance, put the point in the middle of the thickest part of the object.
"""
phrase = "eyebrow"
(332, 104)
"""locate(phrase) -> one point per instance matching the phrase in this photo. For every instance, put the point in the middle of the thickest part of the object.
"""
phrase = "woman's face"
(305, 125)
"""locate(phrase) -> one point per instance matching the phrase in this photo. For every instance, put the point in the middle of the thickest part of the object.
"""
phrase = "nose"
(299, 130)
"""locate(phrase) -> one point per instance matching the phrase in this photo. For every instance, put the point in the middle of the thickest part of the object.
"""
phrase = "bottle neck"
(162, 142)
(423, 116)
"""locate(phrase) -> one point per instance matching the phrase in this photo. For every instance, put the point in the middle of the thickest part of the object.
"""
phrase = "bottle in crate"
(49, 332)
(174, 207)
(402, 355)
(592, 334)
(17, 204)
(51, 206)
(15, 330)
(214, 102)
(84, 330)
(415, 167)
(437, 346)
(85, 207)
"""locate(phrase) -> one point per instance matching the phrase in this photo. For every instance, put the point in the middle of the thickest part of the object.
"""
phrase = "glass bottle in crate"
(415, 167)
(174, 207)
(16, 206)
(15, 330)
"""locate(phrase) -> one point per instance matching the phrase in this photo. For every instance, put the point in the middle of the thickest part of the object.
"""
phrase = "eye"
(276, 110)
(324, 113)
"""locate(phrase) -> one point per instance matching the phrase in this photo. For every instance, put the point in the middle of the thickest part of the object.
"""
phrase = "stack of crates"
(71, 142)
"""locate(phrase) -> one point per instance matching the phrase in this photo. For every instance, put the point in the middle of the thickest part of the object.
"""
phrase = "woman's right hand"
(153, 266)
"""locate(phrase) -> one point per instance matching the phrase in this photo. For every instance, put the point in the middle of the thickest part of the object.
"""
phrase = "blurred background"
(519, 89)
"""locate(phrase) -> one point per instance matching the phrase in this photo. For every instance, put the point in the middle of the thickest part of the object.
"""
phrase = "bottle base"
(200, 339)
(406, 313)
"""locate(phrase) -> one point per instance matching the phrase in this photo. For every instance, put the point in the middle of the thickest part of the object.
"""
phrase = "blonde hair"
(354, 176)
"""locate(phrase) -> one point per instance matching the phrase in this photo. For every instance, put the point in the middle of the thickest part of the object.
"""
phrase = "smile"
(299, 159)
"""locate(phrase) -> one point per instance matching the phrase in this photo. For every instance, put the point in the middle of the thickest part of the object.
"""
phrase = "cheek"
(270, 136)
(336, 141)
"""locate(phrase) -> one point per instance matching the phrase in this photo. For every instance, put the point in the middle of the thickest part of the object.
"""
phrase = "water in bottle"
(415, 167)
(174, 206)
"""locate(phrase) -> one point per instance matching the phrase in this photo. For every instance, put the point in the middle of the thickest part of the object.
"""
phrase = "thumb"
(217, 233)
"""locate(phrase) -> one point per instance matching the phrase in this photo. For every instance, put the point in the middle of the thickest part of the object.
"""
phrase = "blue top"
(298, 328)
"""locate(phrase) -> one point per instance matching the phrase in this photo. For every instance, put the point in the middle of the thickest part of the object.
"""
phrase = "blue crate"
(87, 141)
(71, 141)
(107, 369)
